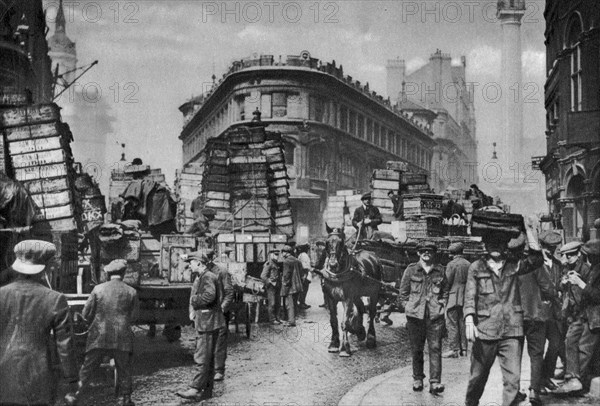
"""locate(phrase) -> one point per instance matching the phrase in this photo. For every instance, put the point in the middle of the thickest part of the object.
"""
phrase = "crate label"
(41, 172)
(38, 158)
(33, 145)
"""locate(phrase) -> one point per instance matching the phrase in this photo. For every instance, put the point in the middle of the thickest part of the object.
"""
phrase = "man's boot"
(571, 385)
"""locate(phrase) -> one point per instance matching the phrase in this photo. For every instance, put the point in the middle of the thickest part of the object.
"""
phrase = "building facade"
(439, 97)
(336, 130)
(572, 99)
(24, 61)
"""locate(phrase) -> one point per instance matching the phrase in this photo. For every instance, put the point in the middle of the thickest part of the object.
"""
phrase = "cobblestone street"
(276, 365)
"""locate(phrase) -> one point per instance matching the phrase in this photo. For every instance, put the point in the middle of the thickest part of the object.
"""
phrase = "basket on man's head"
(496, 226)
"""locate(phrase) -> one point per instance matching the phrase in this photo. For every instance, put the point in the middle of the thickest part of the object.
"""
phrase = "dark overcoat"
(291, 277)
(205, 302)
(35, 326)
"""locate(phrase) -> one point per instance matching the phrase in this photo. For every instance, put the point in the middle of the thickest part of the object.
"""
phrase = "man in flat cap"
(304, 259)
(271, 276)
(366, 218)
(424, 293)
(583, 336)
(224, 278)
(205, 308)
(535, 289)
(493, 314)
(291, 283)
(456, 273)
(555, 324)
(110, 310)
(35, 327)
(573, 265)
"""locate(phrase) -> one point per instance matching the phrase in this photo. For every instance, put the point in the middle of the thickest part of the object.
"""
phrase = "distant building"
(572, 99)
(437, 96)
(88, 114)
(336, 130)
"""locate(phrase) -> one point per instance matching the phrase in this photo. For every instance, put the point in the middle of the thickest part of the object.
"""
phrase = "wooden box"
(397, 165)
(39, 113)
(27, 132)
(386, 174)
(183, 243)
(422, 204)
(41, 172)
(424, 227)
(409, 178)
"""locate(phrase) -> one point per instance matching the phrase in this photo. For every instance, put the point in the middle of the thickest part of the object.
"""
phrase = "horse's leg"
(348, 310)
(334, 345)
(361, 333)
(371, 341)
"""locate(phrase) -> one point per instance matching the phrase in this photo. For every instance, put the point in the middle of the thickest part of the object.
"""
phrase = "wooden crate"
(34, 131)
(52, 199)
(53, 213)
(386, 174)
(385, 184)
(167, 241)
(409, 178)
(35, 145)
(39, 113)
(12, 98)
(41, 172)
(424, 227)
(422, 204)
(38, 158)
(397, 166)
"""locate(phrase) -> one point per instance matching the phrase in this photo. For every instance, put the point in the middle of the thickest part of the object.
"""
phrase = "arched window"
(574, 30)
(574, 216)
(289, 150)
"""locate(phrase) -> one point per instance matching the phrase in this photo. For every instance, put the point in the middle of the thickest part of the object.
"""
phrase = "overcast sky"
(168, 49)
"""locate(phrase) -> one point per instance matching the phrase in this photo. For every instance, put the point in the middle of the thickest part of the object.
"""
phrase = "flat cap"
(116, 266)
(517, 242)
(32, 256)
(288, 249)
(550, 237)
(456, 248)
(207, 211)
(197, 255)
(366, 196)
(572, 246)
(592, 247)
(426, 245)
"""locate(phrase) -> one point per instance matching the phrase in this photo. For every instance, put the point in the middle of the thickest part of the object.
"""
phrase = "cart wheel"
(248, 320)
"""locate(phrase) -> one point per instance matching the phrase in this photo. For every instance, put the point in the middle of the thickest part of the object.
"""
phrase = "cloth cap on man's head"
(366, 196)
(116, 266)
(592, 247)
(32, 256)
(550, 238)
(287, 248)
(456, 248)
(198, 256)
(426, 245)
(571, 247)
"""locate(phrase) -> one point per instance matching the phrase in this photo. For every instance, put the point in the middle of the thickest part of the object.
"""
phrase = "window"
(383, 139)
(279, 103)
(265, 105)
(376, 137)
(576, 78)
(369, 130)
(572, 41)
(251, 102)
(295, 105)
(361, 127)
(316, 108)
(343, 118)
(352, 123)
(241, 107)
(289, 149)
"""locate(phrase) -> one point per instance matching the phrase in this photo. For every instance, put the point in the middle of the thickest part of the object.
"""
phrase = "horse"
(349, 276)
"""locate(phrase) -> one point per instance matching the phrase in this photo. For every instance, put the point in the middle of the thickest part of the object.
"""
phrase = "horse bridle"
(345, 263)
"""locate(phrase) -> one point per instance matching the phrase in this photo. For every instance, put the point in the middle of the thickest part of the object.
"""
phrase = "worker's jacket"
(423, 293)
(456, 273)
(495, 301)
(225, 280)
(205, 302)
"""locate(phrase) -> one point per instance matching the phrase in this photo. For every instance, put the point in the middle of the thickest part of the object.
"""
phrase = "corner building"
(572, 101)
(336, 130)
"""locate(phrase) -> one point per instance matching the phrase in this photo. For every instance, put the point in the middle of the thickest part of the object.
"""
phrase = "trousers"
(535, 333)
(555, 334)
(204, 357)
(221, 350)
(509, 351)
(580, 344)
(420, 330)
(289, 303)
(93, 359)
(455, 324)
(273, 302)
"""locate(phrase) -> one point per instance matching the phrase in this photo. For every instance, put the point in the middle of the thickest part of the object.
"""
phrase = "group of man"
(520, 290)
(287, 277)
(36, 334)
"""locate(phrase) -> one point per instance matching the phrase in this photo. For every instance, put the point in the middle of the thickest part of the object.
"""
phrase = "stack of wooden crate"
(423, 212)
(278, 184)
(411, 183)
(215, 183)
(384, 181)
(40, 158)
(334, 212)
(188, 184)
(250, 200)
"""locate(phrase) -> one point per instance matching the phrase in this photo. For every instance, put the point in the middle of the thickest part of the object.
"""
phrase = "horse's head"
(335, 250)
